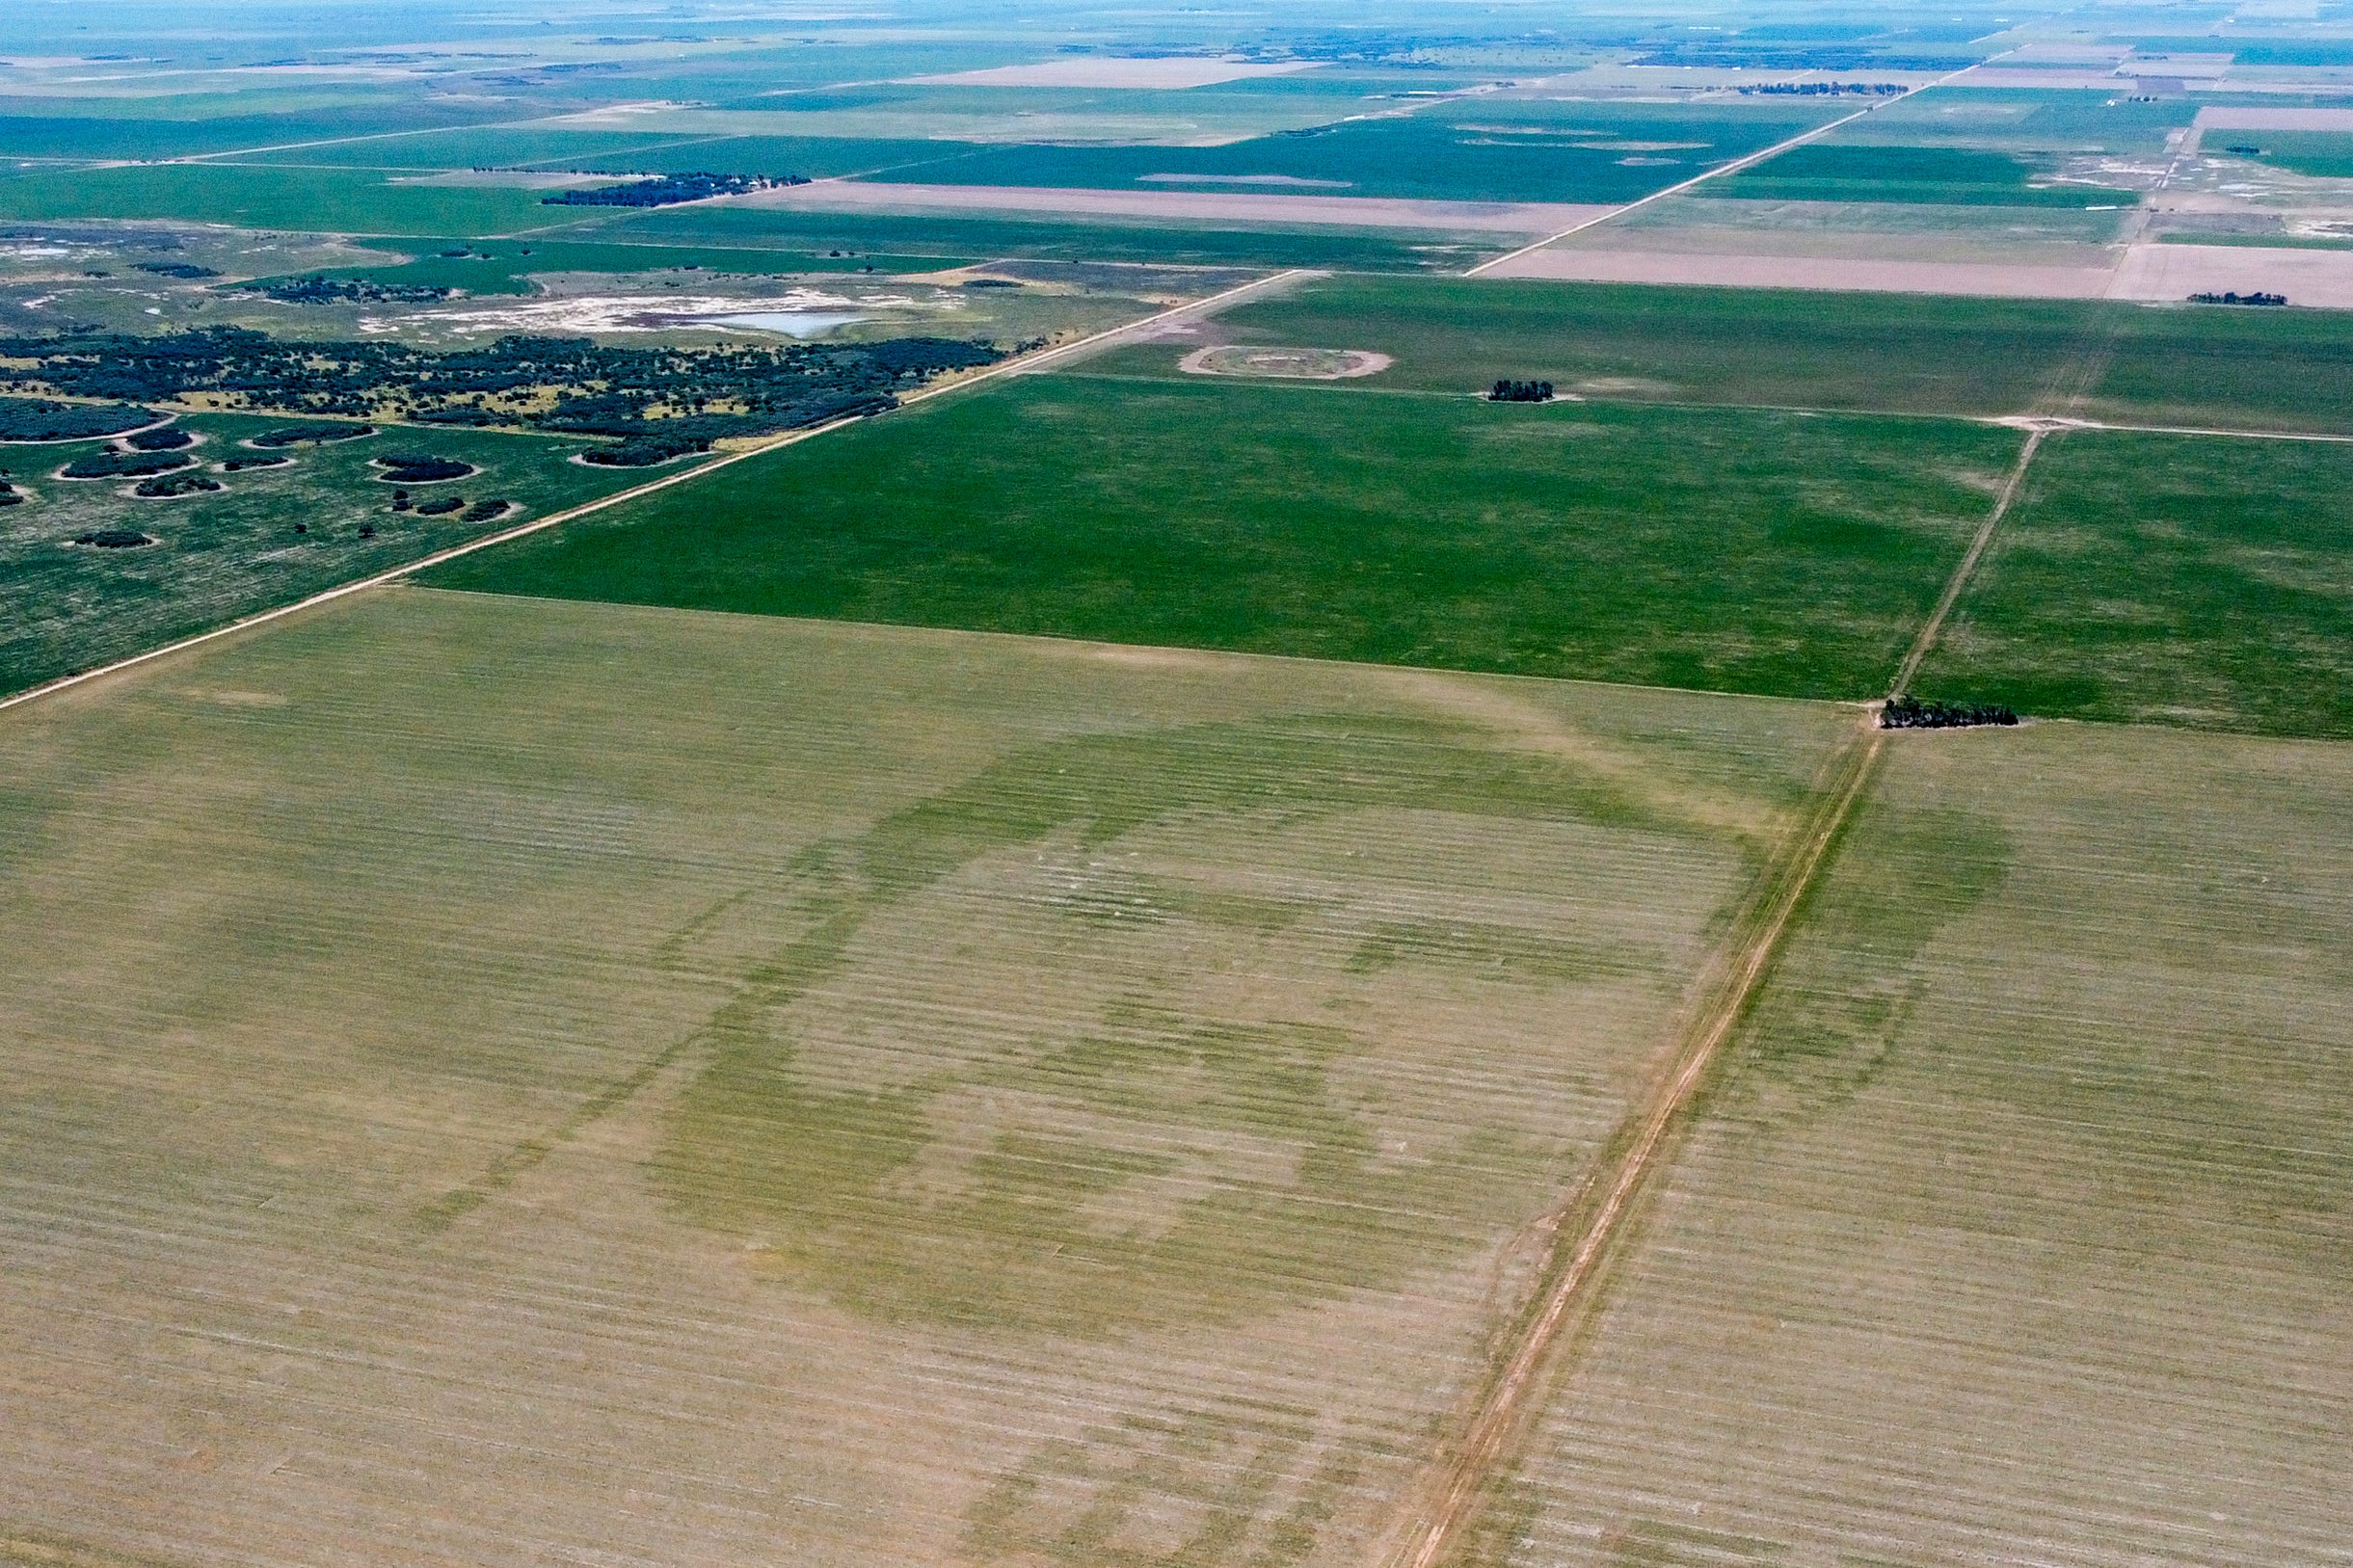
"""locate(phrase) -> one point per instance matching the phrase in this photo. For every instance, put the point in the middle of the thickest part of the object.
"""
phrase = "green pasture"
(180, 127)
(1743, 551)
(234, 551)
(318, 201)
(1923, 353)
(506, 266)
(1960, 176)
(2167, 580)
(565, 148)
(2320, 154)
(2029, 121)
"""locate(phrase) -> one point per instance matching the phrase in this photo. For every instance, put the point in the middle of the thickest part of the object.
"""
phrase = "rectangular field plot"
(254, 196)
(2170, 579)
(1476, 150)
(680, 1088)
(1728, 551)
(266, 536)
(2019, 1227)
(1925, 354)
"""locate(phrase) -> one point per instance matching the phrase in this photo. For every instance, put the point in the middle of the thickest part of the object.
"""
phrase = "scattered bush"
(320, 289)
(175, 268)
(486, 511)
(667, 190)
(114, 539)
(441, 508)
(240, 464)
(303, 435)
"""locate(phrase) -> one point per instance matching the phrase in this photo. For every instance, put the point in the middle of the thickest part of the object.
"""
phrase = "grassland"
(888, 1095)
(1957, 176)
(220, 555)
(2017, 1226)
(507, 266)
(2145, 578)
(1752, 551)
(2252, 369)
(315, 201)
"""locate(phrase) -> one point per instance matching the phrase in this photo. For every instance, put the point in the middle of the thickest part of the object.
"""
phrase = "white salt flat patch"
(800, 313)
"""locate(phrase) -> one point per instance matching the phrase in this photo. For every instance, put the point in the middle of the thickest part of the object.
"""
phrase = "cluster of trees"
(165, 486)
(1520, 391)
(420, 467)
(240, 464)
(161, 438)
(114, 539)
(483, 511)
(669, 190)
(2228, 298)
(1907, 712)
(637, 394)
(42, 419)
(124, 464)
(320, 289)
(1820, 90)
(175, 268)
(9, 495)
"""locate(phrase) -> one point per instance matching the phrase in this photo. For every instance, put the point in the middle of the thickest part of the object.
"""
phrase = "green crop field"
(230, 552)
(1961, 176)
(1052, 237)
(1746, 551)
(2143, 578)
(508, 266)
(2015, 1227)
(1476, 150)
(252, 196)
(892, 1095)
(2254, 369)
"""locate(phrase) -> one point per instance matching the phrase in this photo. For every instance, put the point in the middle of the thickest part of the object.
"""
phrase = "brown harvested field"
(1205, 206)
(2019, 1228)
(2239, 116)
(1808, 272)
(500, 1081)
(2175, 272)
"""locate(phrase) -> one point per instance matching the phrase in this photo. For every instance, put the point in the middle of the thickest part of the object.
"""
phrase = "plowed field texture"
(504, 1082)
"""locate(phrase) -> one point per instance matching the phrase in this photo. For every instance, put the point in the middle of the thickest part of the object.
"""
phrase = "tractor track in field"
(1591, 1218)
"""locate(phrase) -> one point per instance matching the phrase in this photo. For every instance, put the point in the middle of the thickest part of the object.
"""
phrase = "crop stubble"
(874, 1093)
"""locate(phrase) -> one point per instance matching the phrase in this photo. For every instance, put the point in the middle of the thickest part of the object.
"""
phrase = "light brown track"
(1575, 1257)
(1451, 1493)
(1009, 367)
(1960, 579)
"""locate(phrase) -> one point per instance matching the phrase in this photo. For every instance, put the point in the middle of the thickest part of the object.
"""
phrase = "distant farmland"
(887, 1095)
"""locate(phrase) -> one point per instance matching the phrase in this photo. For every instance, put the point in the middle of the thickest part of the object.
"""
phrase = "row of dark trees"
(2230, 297)
(669, 190)
(1907, 712)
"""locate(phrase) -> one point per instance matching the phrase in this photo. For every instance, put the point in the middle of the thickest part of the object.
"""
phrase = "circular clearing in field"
(1290, 364)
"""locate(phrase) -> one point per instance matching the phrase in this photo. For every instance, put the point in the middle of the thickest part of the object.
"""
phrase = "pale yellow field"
(494, 1081)
(2021, 1229)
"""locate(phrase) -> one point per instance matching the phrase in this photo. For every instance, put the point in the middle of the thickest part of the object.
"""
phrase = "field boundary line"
(791, 437)
(1918, 652)
(1449, 1497)
(1747, 161)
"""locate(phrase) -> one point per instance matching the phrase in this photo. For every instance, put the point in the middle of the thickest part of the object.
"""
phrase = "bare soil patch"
(1847, 272)
(2176, 272)
(1290, 364)
(1232, 206)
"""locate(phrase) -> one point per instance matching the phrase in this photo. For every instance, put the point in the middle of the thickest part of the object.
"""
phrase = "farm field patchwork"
(254, 196)
(1721, 549)
(891, 1094)
(1958, 177)
(2014, 1228)
(267, 536)
(2141, 578)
